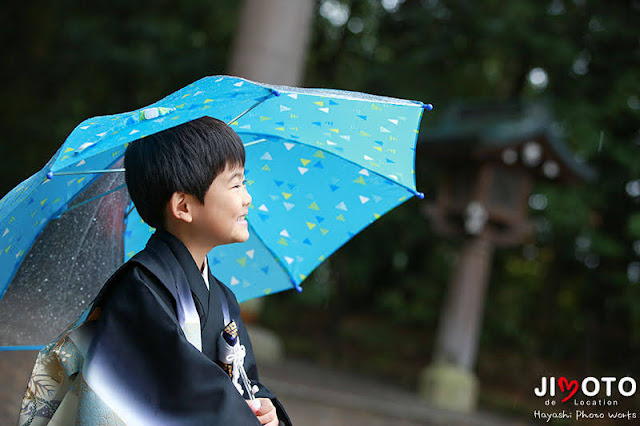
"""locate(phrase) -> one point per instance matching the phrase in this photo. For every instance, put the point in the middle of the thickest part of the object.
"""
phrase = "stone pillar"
(449, 382)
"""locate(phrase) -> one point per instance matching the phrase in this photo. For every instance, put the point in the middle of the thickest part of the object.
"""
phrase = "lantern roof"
(484, 131)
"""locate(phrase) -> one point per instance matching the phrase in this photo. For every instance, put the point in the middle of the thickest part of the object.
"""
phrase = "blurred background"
(553, 278)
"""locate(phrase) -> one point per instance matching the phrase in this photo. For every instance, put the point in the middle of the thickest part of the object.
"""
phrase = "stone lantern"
(491, 155)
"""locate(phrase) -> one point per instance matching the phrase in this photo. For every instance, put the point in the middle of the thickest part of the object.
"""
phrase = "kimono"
(130, 359)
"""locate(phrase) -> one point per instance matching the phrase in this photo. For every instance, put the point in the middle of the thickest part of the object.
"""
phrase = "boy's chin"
(243, 238)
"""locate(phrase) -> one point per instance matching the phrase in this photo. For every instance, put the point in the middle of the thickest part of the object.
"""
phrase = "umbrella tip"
(428, 107)
(49, 175)
(417, 193)
(297, 286)
(275, 92)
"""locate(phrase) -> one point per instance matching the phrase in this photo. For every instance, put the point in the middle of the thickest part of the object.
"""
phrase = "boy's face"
(222, 217)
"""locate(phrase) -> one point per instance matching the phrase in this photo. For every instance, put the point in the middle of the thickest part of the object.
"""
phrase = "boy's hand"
(265, 411)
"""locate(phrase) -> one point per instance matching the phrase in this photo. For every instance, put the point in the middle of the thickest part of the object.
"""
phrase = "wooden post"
(450, 382)
(461, 318)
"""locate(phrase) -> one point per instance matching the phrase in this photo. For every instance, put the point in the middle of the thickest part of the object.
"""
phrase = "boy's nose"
(247, 198)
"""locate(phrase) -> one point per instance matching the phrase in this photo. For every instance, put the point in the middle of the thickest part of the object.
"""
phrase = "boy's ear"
(179, 207)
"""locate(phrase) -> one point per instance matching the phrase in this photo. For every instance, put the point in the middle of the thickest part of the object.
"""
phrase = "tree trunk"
(271, 41)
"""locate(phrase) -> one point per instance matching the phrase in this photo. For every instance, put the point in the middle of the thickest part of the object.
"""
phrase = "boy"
(164, 342)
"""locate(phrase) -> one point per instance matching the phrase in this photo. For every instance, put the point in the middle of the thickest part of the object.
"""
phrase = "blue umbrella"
(321, 166)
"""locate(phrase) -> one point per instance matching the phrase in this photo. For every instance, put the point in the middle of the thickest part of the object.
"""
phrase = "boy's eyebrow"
(236, 175)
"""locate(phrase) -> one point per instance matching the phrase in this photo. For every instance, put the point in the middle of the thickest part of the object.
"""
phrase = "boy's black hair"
(185, 158)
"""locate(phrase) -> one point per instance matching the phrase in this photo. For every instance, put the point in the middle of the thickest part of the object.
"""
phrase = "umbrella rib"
(273, 93)
(411, 190)
(88, 172)
(95, 198)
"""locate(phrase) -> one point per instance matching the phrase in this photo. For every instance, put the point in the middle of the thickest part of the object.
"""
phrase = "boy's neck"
(198, 253)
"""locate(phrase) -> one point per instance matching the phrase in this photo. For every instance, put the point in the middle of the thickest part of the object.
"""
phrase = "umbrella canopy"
(66, 265)
(321, 166)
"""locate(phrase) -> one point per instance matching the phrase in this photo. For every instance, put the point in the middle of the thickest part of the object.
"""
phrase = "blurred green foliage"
(66, 61)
